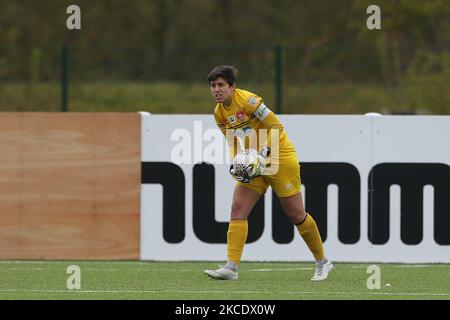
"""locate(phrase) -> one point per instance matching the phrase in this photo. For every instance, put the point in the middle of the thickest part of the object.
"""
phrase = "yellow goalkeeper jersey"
(248, 114)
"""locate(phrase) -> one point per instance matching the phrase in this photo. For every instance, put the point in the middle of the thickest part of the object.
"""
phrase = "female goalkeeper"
(243, 111)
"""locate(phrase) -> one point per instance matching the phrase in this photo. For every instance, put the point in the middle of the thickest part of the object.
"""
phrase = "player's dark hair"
(229, 73)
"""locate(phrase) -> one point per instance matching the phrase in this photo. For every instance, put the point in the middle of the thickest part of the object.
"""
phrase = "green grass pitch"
(185, 281)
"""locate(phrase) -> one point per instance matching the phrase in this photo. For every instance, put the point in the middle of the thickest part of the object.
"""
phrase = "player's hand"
(255, 168)
(237, 176)
(247, 165)
(262, 157)
(265, 152)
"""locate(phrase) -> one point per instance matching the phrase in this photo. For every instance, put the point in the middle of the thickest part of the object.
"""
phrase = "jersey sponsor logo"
(243, 131)
(253, 101)
(240, 115)
(231, 119)
(262, 112)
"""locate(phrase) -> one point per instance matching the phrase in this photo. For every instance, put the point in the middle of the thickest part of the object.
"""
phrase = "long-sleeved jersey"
(248, 115)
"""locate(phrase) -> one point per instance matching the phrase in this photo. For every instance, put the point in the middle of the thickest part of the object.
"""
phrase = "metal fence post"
(64, 77)
(278, 78)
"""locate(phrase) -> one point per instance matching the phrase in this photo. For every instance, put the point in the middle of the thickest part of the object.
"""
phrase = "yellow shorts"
(286, 182)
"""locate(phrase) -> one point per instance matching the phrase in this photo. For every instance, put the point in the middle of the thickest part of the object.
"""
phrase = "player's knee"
(301, 216)
(239, 210)
(296, 215)
(237, 206)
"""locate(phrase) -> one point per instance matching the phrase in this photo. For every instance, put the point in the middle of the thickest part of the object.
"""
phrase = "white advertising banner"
(378, 187)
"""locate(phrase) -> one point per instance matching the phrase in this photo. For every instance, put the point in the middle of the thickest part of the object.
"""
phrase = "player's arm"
(271, 122)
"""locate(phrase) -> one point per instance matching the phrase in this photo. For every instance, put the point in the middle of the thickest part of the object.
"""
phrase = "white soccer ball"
(246, 164)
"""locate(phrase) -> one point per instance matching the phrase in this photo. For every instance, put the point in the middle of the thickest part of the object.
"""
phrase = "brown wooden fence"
(69, 185)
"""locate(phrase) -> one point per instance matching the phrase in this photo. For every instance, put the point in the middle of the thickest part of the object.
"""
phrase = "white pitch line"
(179, 270)
(150, 270)
(28, 269)
(68, 262)
(98, 269)
(280, 269)
(417, 266)
(137, 262)
(230, 292)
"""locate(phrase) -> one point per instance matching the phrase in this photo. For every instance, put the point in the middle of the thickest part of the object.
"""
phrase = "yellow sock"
(236, 237)
(310, 234)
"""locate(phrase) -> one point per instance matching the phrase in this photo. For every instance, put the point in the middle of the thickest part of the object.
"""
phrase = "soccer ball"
(246, 165)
